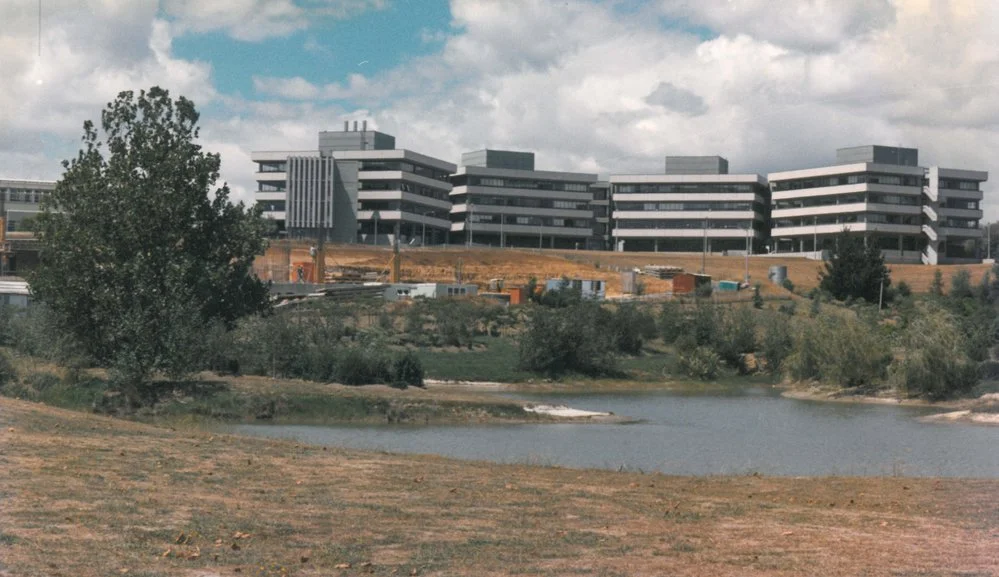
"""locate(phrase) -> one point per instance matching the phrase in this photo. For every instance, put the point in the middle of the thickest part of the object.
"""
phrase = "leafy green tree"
(855, 271)
(140, 252)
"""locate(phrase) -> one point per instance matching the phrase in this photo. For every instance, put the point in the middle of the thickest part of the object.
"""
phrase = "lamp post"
(423, 234)
(375, 216)
(471, 219)
(748, 249)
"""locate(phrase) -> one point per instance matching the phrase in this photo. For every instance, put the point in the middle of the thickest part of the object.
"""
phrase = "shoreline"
(982, 410)
(93, 496)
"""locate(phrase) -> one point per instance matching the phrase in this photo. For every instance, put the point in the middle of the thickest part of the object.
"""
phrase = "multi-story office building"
(20, 199)
(694, 205)
(499, 199)
(913, 213)
(600, 204)
(357, 187)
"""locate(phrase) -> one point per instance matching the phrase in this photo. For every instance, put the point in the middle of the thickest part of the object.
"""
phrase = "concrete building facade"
(914, 214)
(356, 187)
(694, 206)
(21, 199)
(499, 199)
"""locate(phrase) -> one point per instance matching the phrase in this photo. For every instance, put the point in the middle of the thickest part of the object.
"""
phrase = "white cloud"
(591, 86)
(809, 25)
(252, 20)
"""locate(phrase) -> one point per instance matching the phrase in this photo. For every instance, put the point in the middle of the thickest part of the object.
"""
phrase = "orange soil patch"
(84, 495)
(517, 266)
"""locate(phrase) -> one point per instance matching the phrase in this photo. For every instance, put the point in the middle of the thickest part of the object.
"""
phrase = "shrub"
(362, 366)
(407, 371)
(776, 342)
(737, 336)
(789, 308)
(8, 373)
(839, 349)
(757, 297)
(703, 324)
(703, 291)
(934, 363)
(787, 284)
(630, 326)
(960, 285)
(575, 339)
(698, 363)
(903, 289)
(672, 322)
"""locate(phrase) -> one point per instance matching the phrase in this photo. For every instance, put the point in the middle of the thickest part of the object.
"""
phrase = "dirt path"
(83, 495)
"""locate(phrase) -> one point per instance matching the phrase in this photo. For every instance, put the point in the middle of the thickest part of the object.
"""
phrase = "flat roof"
(526, 174)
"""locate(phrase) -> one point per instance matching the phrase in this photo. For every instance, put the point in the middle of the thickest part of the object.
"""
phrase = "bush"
(703, 324)
(630, 326)
(575, 339)
(698, 363)
(407, 371)
(787, 284)
(8, 373)
(757, 297)
(960, 285)
(737, 336)
(362, 366)
(672, 321)
(903, 289)
(838, 348)
(934, 363)
(703, 291)
(776, 343)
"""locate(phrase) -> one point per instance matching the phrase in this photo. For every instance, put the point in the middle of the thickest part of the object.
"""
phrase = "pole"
(815, 234)
(423, 234)
(988, 240)
(881, 292)
(748, 228)
(501, 217)
(471, 208)
(704, 249)
(541, 233)
(375, 236)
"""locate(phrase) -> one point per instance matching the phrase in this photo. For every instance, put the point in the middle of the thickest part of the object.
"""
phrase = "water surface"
(735, 432)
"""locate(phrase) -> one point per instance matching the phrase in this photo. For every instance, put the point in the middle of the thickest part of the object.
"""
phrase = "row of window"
(483, 200)
(684, 206)
(959, 184)
(387, 205)
(840, 199)
(848, 219)
(529, 184)
(697, 188)
(411, 188)
(275, 166)
(21, 195)
(525, 220)
(961, 204)
(686, 224)
(271, 205)
(843, 179)
(425, 171)
(960, 223)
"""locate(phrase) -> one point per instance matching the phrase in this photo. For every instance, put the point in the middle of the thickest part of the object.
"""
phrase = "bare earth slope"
(517, 266)
(84, 495)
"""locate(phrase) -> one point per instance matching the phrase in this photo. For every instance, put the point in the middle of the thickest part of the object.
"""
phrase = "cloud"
(590, 86)
(808, 25)
(676, 99)
(252, 20)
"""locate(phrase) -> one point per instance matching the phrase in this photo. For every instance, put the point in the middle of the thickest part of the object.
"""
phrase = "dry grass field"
(83, 495)
(517, 266)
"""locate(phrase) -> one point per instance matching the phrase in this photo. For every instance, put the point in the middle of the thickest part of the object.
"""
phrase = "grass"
(496, 361)
(76, 504)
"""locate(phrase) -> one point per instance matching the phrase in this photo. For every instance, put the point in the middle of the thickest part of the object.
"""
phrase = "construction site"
(289, 263)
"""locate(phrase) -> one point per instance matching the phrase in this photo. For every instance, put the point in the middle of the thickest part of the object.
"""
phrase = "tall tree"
(140, 252)
(855, 270)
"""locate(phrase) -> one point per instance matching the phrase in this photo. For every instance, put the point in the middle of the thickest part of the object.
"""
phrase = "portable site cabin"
(429, 290)
(687, 283)
(588, 288)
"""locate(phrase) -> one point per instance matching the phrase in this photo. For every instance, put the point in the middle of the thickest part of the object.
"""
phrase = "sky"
(606, 87)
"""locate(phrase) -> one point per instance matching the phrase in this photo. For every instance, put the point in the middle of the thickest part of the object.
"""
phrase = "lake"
(735, 432)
